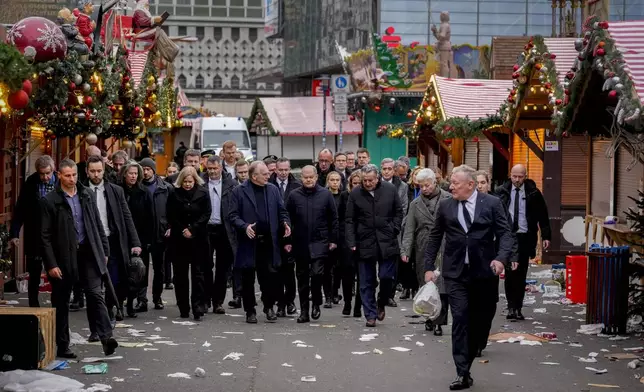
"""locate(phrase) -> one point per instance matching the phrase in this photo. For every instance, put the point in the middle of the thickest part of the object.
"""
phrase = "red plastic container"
(576, 278)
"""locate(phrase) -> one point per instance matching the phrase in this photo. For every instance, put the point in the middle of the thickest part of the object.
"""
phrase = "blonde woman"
(349, 260)
(332, 283)
(188, 212)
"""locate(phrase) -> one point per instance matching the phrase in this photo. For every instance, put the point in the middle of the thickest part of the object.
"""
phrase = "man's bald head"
(518, 175)
(93, 151)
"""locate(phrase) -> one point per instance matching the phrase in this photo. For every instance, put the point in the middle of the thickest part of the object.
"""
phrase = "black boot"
(328, 303)
(270, 315)
(304, 317)
(109, 346)
(315, 313)
(251, 318)
(281, 311)
(235, 303)
(512, 314)
(519, 315)
(291, 309)
(346, 311)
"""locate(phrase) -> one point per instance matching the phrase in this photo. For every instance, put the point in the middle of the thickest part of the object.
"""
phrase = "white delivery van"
(217, 130)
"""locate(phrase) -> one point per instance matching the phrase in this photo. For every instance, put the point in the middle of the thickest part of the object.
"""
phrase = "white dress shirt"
(470, 204)
(523, 221)
(214, 190)
(283, 184)
(230, 170)
(101, 203)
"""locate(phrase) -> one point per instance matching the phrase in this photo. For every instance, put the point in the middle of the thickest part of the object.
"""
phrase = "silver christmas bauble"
(78, 79)
(86, 87)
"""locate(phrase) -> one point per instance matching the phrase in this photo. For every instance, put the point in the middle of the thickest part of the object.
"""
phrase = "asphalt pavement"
(329, 354)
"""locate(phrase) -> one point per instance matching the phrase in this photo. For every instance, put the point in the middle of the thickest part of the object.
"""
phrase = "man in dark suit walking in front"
(472, 219)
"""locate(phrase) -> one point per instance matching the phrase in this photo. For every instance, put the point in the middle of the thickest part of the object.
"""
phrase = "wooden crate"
(47, 321)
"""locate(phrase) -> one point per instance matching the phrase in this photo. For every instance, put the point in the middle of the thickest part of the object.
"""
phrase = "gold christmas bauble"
(151, 79)
(126, 143)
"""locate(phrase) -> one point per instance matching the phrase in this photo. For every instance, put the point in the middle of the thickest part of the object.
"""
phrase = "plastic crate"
(576, 278)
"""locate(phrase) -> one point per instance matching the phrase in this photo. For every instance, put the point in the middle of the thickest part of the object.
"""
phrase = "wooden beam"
(497, 145)
(458, 145)
(530, 143)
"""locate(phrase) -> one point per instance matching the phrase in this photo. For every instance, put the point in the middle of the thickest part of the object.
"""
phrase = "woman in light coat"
(420, 219)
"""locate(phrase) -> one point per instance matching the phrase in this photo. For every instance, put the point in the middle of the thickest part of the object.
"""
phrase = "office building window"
(183, 2)
(183, 11)
(252, 34)
(201, 11)
(234, 33)
(234, 82)
(219, 11)
(202, 2)
(254, 12)
(219, 2)
(236, 12)
(183, 30)
(217, 33)
(182, 81)
(201, 32)
(217, 83)
(254, 3)
(236, 3)
(199, 81)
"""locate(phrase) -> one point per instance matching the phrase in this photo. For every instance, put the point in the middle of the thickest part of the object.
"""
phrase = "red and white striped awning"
(473, 98)
(137, 62)
(564, 49)
(629, 39)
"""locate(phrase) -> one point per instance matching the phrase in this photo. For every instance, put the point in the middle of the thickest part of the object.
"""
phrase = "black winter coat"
(189, 210)
(59, 239)
(27, 213)
(341, 200)
(122, 218)
(314, 220)
(374, 222)
(139, 199)
(322, 175)
(291, 185)
(160, 216)
(535, 209)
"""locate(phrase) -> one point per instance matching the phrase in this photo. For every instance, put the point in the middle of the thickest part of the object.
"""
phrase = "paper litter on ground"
(634, 348)
(226, 374)
(76, 338)
(634, 364)
(148, 322)
(359, 352)
(157, 329)
(540, 310)
(101, 368)
(549, 363)
(511, 337)
(420, 344)
(233, 333)
(530, 343)
(234, 356)
(376, 351)
(308, 379)
(100, 359)
(508, 374)
(199, 372)
(591, 329)
(297, 342)
(134, 344)
(286, 365)
(300, 345)
(186, 323)
(576, 345)
(604, 386)
(150, 349)
(615, 338)
(257, 340)
(121, 325)
(179, 375)
(318, 356)
(597, 371)
(587, 360)
(401, 349)
(133, 369)
(97, 387)
(368, 337)
(205, 344)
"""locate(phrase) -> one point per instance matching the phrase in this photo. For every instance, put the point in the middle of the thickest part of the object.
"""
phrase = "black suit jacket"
(293, 184)
(122, 218)
(489, 221)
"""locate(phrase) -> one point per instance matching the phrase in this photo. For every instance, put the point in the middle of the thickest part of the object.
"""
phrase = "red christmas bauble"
(351, 117)
(601, 52)
(376, 108)
(570, 75)
(27, 87)
(553, 56)
(63, 108)
(425, 104)
(53, 137)
(88, 100)
(548, 85)
(18, 99)
(126, 78)
(113, 108)
(475, 139)
(612, 94)
(137, 109)
(410, 114)
(516, 67)
(515, 75)
(558, 102)
(72, 86)
(40, 36)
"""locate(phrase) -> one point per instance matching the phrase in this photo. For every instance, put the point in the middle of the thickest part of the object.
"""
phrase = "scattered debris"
(133, 369)
(100, 359)
(540, 310)
(150, 349)
(308, 379)
(101, 368)
(186, 323)
(634, 348)
(149, 323)
(328, 326)
(617, 356)
(484, 361)
(587, 360)
(359, 352)
(134, 344)
(604, 386)
(508, 374)
(179, 375)
(287, 365)
(549, 363)
(96, 387)
(376, 351)
(300, 345)
(57, 365)
(368, 337)
(225, 374)
(591, 329)
(401, 349)
(634, 364)
(420, 344)
(121, 325)
(297, 342)
(530, 343)
(233, 333)
(597, 371)
(576, 345)
(257, 340)
(510, 337)
(199, 372)
(318, 356)
(234, 356)
(206, 344)
(157, 329)
(118, 379)
(616, 338)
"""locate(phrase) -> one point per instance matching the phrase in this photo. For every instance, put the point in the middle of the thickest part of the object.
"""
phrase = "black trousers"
(327, 277)
(167, 268)
(471, 302)
(515, 280)
(157, 253)
(186, 274)
(488, 318)
(407, 274)
(34, 267)
(287, 286)
(267, 275)
(220, 247)
(309, 280)
(91, 282)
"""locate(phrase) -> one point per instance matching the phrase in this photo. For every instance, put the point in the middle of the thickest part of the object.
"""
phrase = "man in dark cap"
(160, 191)
(204, 159)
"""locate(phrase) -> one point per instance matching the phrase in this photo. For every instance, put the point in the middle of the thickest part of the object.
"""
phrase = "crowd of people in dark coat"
(336, 233)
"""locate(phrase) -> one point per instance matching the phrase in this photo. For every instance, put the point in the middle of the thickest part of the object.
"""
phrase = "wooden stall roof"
(504, 55)
(473, 98)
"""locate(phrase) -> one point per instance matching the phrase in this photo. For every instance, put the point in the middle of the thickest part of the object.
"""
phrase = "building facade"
(217, 70)
(312, 28)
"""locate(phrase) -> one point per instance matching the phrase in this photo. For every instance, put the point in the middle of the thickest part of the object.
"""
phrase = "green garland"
(258, 110)
(599, 53)
(464, 128)
(535, 58)
(397, 131)
(15, 68)
(55, 79)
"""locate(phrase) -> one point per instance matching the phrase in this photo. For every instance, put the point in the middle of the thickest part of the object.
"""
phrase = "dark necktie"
(466, 215)
(283, 188)
(515, 223)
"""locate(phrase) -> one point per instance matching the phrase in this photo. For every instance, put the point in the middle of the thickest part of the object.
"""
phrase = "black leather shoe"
(291, 309)
(109, 346)
(315, 313)
(219, 309)
(460, 383)
(512, 314)
(381, 313)
(519, 315)
(185, 315)
(251, 318)
(76, 306)
(371, 323)
(337, 299)
(392, 303)
(159, 306)
(479, 353)
(141, 307)
(93, 337)
(438, 331)
(357, 313)
(346, 311)
(328, 303)
(198, 316)
(67, 354)
(304, 318)
(270, 315)
(169, 286)
(236, 303)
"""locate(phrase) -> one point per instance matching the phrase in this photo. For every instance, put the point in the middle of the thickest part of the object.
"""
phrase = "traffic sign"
(341, 98)
(340, 84)
(341, 108)
(341, 117)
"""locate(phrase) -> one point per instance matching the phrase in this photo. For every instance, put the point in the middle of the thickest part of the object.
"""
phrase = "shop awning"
(564, 49)
(629, 39)
(472, 98)
(302, 116)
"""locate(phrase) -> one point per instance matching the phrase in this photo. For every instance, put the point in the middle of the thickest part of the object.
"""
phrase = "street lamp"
(324, 83)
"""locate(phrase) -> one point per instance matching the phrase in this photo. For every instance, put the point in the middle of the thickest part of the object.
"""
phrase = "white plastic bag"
(427, 301)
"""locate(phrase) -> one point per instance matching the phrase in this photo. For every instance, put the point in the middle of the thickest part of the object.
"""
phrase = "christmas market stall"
(557, 163)
(603, 101)
(457, 123)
